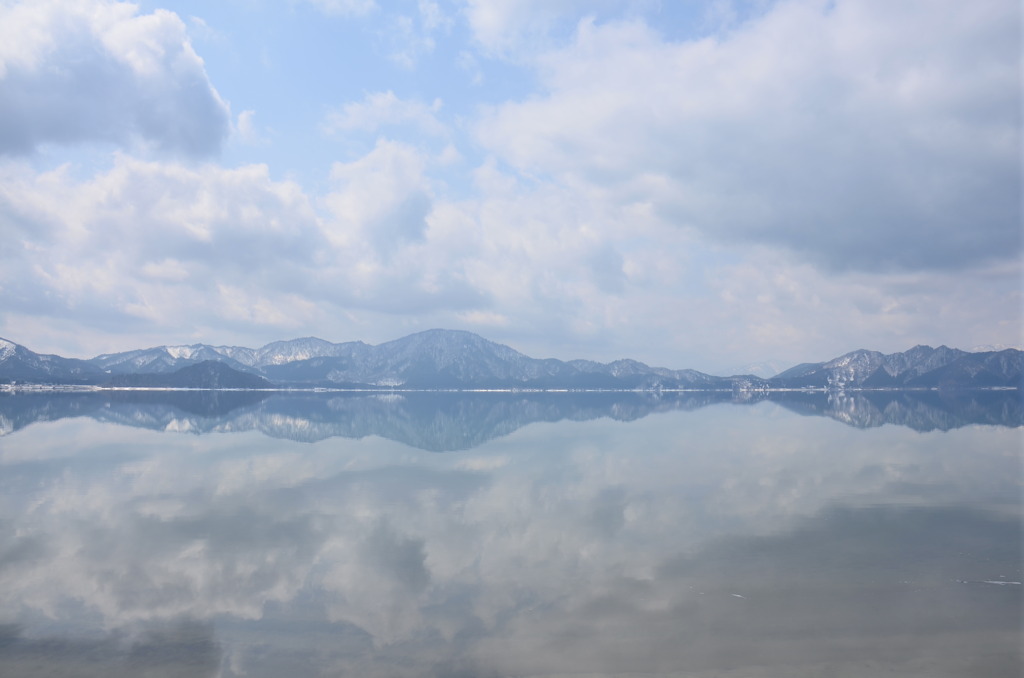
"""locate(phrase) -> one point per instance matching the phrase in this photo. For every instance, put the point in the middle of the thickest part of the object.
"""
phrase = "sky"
(704, 184)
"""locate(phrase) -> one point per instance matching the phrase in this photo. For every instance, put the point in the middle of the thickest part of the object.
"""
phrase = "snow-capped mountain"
(919, 367)
(283, 352)
(18, 364)
(164, 359)
(456, 360)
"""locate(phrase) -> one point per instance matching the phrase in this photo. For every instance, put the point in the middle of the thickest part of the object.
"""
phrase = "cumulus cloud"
(400, 249)
(382, 198)
(100, 71)
(155, 243)
(863, 136)
(183, 253)
(175, 248)
(810, 174)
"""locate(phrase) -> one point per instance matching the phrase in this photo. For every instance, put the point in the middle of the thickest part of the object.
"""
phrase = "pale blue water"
(509, 535)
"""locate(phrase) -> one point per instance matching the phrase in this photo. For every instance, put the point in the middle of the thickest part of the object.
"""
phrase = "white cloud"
(344, 7)
(382, 199)
(807, 173)
(432, 16)
(864, 136)
(409, 43)
(505, 27)
(159, 245)
(384, 109)
(800, 313)
(100, 71)
(183, 254)
(248, 130)
(165, 248)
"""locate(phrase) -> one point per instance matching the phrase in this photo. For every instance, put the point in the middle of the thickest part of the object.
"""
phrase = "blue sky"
(692, 184)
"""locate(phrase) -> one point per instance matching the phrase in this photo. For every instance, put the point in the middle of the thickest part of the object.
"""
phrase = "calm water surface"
(508, 535)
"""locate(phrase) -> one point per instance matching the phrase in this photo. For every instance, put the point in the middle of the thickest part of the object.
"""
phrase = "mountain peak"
(446, 339)
(7, 349)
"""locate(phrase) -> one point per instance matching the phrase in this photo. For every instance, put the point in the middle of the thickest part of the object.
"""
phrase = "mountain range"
(450, 359)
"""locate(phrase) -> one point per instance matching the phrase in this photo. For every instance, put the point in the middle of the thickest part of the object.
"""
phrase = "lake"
(500, 534)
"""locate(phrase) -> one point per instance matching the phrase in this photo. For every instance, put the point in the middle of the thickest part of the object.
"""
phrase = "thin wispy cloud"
(381, 110)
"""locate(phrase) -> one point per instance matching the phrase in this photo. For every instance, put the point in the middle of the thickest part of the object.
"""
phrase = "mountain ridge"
(457, 359)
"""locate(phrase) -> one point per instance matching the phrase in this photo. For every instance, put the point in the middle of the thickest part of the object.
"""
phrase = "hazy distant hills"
(448, 359)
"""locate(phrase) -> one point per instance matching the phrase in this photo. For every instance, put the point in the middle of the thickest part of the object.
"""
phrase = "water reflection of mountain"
(459, 421)
(919, 410)
(147, 409)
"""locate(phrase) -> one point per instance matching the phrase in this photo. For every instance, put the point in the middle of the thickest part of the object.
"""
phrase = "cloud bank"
(789, 180)
(860, 136)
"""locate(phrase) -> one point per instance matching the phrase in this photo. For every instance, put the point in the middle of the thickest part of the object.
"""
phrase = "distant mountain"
(448, 359)
(434, 359)
(18, 364)
(164, 359)
(920, 367)
(765, 369)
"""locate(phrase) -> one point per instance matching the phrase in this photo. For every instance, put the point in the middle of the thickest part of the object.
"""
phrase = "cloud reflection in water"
(691, 542)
